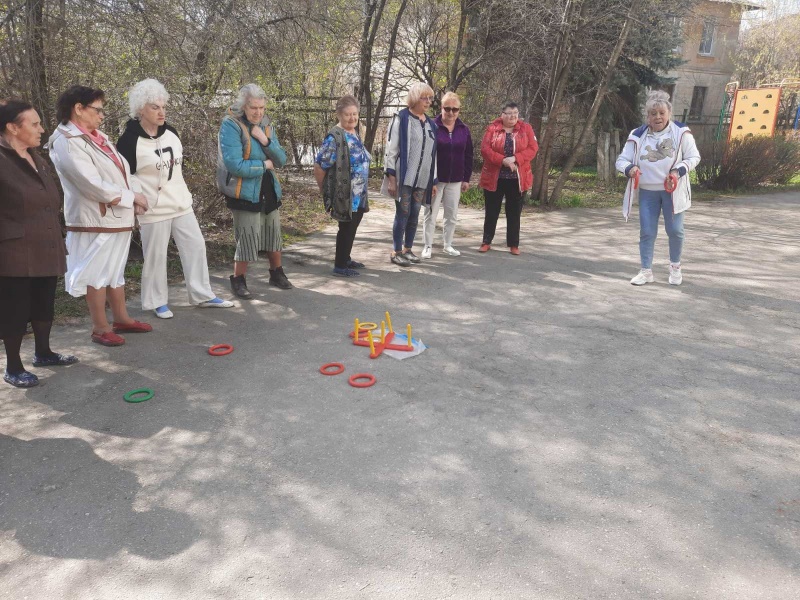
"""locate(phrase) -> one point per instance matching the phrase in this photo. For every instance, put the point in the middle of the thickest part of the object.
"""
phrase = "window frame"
(711, 26)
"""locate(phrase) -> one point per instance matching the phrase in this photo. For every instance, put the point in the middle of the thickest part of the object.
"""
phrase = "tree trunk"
(574, 15)
(34, 16)
(599, 96)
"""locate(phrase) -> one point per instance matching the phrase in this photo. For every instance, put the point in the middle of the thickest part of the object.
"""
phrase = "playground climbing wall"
(755, 112)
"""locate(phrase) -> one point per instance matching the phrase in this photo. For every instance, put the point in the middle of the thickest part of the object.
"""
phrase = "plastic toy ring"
(324, 368)
(220, 349)
(131, 396)
(354, 380)
(367, 326)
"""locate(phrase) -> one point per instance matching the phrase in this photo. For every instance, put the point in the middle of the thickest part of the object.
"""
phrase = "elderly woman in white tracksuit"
(657, 159)
(155, 153)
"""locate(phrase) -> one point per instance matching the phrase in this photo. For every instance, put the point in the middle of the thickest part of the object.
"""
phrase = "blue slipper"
(21, 380)
(340, 272)
(354, 264)
(55, 360)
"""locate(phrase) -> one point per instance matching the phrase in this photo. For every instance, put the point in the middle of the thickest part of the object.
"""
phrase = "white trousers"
(192, 250)
(448, 194)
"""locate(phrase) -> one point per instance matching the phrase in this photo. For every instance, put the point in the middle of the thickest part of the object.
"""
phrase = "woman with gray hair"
(657, 159)
(155, 153)
(410, 169)
(249, 152)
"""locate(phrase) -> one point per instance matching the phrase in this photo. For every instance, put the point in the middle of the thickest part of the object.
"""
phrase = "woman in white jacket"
(657, 159)
(100, 200)
(155, 154)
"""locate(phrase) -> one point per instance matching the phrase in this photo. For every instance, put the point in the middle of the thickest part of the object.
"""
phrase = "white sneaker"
(451, 251)
(163, 312)
(675, 276)
(426, 252)
(644, 276)
(216, 303)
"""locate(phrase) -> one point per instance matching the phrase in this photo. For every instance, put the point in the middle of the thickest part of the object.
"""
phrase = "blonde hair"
(657, 98)
(451, 96)
(415, 92)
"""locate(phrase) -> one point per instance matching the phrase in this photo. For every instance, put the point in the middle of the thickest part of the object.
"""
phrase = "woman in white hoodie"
(657, 159)
(155, 154)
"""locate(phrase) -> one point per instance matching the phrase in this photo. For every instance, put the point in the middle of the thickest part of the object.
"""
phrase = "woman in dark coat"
(32, 252)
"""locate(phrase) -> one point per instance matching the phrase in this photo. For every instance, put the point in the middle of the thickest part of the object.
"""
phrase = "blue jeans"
(406, 217)
(651, 204)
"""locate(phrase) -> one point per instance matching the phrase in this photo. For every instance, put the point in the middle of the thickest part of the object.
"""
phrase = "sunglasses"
(450, 109)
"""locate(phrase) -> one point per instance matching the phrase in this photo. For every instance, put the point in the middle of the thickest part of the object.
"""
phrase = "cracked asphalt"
(565, 436)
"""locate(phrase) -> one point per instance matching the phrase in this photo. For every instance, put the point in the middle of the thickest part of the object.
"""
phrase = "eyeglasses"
(427, 98)
(511, 115)
(450, 109)
(100, 111)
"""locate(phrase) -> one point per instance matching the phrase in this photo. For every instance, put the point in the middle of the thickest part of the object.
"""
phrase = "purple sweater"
(453, 152)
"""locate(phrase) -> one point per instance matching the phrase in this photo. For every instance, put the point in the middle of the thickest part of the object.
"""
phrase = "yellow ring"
(367, 326)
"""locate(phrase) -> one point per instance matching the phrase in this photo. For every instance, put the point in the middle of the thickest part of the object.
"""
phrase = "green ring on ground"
(130, 396)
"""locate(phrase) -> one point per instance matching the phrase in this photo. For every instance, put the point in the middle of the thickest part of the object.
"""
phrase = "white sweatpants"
(192, 250)
(448, 194)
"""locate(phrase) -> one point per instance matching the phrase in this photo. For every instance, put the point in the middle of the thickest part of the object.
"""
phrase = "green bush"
(787, 160)
(748, 162)
(473, 197)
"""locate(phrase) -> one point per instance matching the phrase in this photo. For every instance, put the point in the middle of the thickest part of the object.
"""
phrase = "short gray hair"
(251, 91)
(657, 98)
(415, 92)
(144, 92)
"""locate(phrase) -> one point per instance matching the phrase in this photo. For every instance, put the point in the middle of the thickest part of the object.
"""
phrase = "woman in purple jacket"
(454, 165)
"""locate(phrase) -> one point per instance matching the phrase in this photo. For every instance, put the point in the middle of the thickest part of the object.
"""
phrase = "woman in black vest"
(342, 171)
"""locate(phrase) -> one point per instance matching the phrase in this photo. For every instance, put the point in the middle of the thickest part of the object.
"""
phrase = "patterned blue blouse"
(359, 165)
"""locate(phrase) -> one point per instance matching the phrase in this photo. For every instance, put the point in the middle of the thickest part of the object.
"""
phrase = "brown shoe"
(515, 250)
(485, 248)
(239, 287)
(109, 338)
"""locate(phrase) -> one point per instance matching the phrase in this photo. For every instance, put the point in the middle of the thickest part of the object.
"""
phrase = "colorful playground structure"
(362, 336)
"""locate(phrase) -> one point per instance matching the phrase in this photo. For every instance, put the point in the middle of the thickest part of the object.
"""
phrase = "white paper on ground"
(400, 339)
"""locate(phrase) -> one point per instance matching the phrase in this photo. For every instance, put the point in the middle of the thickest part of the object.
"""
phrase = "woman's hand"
(140, 205)
(269, 165)
(464, 186)
(632, 173)
(671, 181)
(261, 135)
(391, 184)
(510, 162)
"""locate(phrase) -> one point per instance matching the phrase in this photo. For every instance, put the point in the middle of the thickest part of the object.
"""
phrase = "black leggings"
(508, 188)
(23, 300)
(345, 238)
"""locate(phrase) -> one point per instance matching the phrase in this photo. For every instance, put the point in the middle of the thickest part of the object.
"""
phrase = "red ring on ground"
(324, 368)
(220, 349)
(354, 380)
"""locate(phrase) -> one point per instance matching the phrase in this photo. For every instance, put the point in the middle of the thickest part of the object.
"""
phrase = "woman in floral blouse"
(342, 171)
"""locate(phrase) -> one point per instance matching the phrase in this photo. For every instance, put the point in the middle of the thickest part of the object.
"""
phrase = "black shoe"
(411, 256)
(401, 260)
(278, 279)
(54, 360)
(354, 264)
(239, 287)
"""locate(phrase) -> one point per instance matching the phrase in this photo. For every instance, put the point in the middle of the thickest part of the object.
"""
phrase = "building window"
(698, 100)
(707, 39)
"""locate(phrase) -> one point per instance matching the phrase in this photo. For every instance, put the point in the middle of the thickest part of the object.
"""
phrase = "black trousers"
(508, 188)
(345, 238)
(24, 299)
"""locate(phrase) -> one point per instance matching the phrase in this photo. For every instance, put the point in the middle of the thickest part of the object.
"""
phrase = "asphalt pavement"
(565, 436)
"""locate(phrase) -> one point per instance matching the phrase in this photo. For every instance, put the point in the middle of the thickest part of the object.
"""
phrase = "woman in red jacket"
(508, 147)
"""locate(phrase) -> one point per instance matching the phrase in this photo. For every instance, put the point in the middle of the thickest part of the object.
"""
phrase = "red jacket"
(492, 149)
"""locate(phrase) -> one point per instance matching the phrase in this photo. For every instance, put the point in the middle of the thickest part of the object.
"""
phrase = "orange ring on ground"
(324, 368)
(220, 349)
(354, 380)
